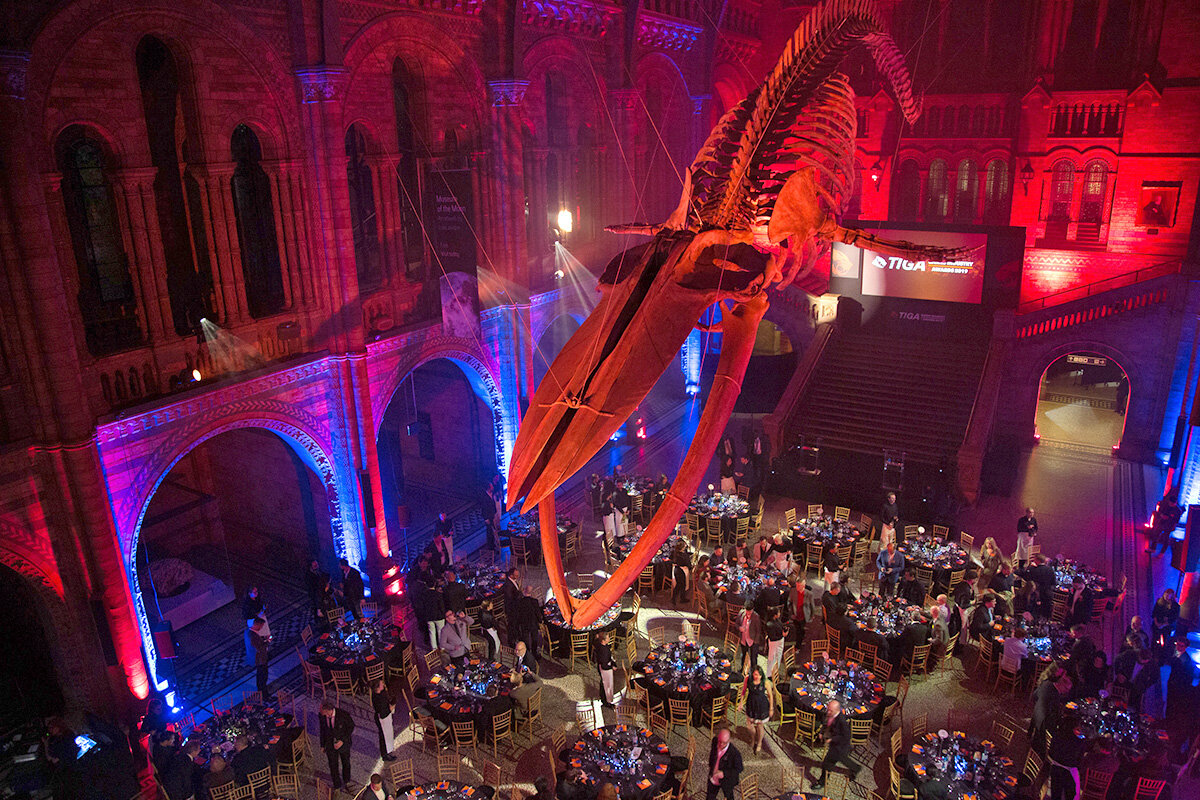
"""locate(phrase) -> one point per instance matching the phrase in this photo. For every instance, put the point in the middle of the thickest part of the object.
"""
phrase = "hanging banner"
(451, 199)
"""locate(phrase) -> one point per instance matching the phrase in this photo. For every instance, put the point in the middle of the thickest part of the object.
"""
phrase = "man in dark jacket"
(247, 759)
(337, 730)
(454, 594)
(916, 634)
(836, 732)
(769, 597)
(870, 636)
(1079, 604)
(834, 603)
(352, 588)
(260, 640)
(910, 588)
(526, 617)
(982, 616)
(183, 775)
(604, 663)
(1047, 709)
(1042, 575)
(724, 766)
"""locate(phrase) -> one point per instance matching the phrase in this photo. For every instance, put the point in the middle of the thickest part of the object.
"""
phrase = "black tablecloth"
(264, 724)
(1065, 570)
(687, 670)
(728, 508)
(476, 693)
(997, 778)
(821, 530)
(622, 545)
(939, 555)
(737, 584)
(633, 759)
(1046, 640)
(814, 683)
(483, 583)
(560, 632)
(355, 646)
(1133, 734)
(528, 527)
(442, 790)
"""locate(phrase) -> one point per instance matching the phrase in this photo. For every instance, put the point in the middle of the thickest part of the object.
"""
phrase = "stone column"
(508, 173)
(216, 201)
(69, 459)
(701, 108)
(322, 89)
(287, 256)
(139, 219)
(623, 104)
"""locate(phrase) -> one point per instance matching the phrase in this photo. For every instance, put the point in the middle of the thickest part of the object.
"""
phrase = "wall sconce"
(1026, 176)
(876, 173)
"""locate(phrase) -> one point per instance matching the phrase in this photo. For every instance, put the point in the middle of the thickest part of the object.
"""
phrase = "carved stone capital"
(14, 64)
(623, 99)
(322, 84)
(507, 93)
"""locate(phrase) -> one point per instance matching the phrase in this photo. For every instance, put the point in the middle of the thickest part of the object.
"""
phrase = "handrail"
(1098, 287)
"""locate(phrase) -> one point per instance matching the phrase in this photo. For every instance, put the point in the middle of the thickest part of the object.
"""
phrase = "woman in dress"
(990, 559)
(758, 702)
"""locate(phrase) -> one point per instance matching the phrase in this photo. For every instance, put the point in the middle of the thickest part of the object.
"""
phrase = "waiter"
(889, 516)
(1027, 528)
(604, 663)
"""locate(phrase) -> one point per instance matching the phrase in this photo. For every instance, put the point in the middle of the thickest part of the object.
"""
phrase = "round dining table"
(476, 691)
(814, 684)
(933, 553)
(728, 508)
(1132, 734)
(264, 724)
(560, 631)
(739, 584)
(441, 790)
(963, 766)
(482, 582)
(1047, 641)
(687, 670)
(1067, 569)
(357, 645)
(891, 616)
(635, 760)
(528, 527)
(819, 530)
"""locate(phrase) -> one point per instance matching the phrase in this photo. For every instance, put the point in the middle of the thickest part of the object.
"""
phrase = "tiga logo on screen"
(895, 262)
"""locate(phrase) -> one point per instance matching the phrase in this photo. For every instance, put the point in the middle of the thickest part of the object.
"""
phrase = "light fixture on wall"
(566, 221)
(1026, 176)
(876, 173)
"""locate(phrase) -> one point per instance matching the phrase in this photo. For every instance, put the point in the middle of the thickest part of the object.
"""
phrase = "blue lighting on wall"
(690, 357)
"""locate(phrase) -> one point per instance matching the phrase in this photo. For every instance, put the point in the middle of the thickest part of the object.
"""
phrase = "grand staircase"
(871, 393)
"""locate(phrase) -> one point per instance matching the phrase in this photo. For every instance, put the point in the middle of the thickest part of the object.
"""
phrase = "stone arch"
(58, 35)
(1037, 361)
(560, 54)
(22, 552)
(465, 353)
(300, 430)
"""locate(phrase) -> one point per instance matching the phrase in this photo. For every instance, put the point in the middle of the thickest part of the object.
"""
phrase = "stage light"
(566, 221)
(559, 274)
(196, 376)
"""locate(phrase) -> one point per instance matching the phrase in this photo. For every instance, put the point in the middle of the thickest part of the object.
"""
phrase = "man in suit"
(1042, 575)
(910, 588)
(260, 640)
(246, 759)
(836, 732)
(183, 775)
(769, 597)
(376, 790)
(915, 634)
(982, 616)
(336, 732)
(454, 594)
(1083, 649)
(1027, 528)
(455, 636)
(834, 603)
(724, 766)
(890, 563)
(1079, 603)
(352, 588)
(1047, 708)
(527, 616)
(604, 663)
(873, 637)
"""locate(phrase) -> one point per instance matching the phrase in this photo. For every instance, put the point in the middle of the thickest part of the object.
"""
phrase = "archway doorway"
(29, 686)
(437, 452)
(243, 508)
(548, 345)
(1082, 400)
(771, 366)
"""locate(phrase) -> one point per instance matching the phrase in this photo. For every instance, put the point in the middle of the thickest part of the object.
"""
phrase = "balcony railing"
(1086, 120)
(1099, 287)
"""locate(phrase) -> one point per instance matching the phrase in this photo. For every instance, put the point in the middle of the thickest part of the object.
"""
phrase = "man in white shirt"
(1015, 649)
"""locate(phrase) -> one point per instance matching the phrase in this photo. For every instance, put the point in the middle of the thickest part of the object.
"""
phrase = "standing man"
(352, 588)
(260, 639)
(1166, 518)
(608, 515)
(836, 732)
(384, 705)
(724, 766)
(315, 580)
(604, 663)
(337, 730)
(455, 636)
(1027, 528)
(889, 517)
(890, 563)
(443, 539)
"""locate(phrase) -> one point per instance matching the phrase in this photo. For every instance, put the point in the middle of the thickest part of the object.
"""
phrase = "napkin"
(644, 783)
(918, 749)
(446, 706)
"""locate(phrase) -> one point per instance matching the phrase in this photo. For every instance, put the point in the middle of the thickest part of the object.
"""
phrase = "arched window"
(906, 192)
(363, 223)
(933, 121)
(937, 197)
(1095, 189)
(180, 215)
(1062, 186)
(966, 191)
(106, 299)
(995, 193)
(255, 225)
(406, 175)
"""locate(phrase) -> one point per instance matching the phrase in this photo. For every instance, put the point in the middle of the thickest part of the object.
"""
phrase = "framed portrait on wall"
(1157, 203)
